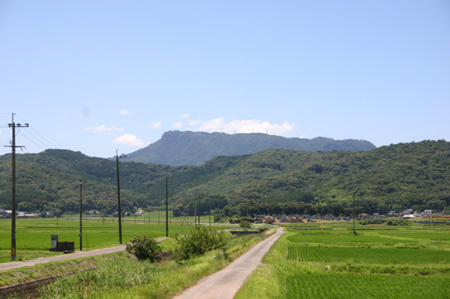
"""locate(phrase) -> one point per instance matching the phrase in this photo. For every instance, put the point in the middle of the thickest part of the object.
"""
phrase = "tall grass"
(124, 277)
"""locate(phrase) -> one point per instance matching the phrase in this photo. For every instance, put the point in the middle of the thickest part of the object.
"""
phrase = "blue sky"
(95, 76)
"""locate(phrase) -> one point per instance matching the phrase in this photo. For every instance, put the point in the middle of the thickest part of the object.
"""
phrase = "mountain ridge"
(395, 177)
(178, 148)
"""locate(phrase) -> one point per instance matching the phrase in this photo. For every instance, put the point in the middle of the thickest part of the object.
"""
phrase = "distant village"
(275, 218)
(406, 214)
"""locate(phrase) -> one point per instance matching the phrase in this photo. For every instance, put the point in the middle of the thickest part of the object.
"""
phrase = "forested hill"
(396, 177)
(195, 148)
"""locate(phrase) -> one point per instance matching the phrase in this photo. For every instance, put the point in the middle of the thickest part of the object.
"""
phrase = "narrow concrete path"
(78, 254)
(225, 283)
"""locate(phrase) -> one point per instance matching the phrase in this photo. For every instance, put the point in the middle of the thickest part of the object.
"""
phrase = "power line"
(30, 140)
(46, 140)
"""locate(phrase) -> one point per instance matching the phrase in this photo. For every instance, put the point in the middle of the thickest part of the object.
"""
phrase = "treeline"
(396, 177)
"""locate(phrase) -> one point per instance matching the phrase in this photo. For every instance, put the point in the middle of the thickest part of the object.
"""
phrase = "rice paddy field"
(327, 260)
(33, 236)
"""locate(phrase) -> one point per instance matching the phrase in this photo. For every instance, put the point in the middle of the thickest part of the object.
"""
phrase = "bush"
(398, 222)
(221, 218)
(198, 241)
(372, 221)
(245, 224)
(144, 248)
(262, 229)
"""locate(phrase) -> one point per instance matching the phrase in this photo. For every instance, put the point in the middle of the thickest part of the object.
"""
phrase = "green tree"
(144, 248)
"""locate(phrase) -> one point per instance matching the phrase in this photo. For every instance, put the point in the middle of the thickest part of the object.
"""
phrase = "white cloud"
(156, 125)
(1, 132)
(195, 122)
(245, 126)
(183, 116)
(178, 125)
(124, 112)
(131, 140)
(105, 130)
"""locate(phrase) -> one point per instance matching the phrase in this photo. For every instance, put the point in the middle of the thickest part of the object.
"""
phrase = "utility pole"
(354, 213)
(13, 146)
(167, 206)
(81, 217)
(198, 212)
(118, 195)
(195, 212)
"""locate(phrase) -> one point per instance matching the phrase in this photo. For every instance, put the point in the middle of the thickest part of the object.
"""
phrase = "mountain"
(195, 148)
(395, 177)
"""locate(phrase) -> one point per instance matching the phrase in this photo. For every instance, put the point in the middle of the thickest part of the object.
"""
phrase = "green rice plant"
(399, 263)
(368, 255)
(347, 285)
(291, 280)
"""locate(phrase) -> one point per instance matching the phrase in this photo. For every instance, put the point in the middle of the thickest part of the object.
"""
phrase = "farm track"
(78, 254)
(225, 283)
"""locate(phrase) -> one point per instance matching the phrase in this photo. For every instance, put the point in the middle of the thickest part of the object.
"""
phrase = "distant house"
(3, 213)
(407, 212)
(139, 212)
(426, 213)
(21, 214)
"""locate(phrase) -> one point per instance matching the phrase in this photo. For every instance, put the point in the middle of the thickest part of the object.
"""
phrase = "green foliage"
(144, 248)
(372, 221)
(396, 177)
(124, 277)
(245, 224)
(262, 229)
(398, 222)
(198, 241)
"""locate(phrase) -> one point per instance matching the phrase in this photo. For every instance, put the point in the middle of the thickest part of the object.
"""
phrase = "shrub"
(262, 229)
(372, 221)
(245, 224)
(398, 222)
(198, 241)
(144, 248)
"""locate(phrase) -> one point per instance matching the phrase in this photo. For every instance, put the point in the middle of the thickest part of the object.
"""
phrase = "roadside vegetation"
(127, 277)
(329, 261)
(33, 236)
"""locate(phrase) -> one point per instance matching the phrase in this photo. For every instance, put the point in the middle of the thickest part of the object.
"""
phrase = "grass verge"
(125, 277)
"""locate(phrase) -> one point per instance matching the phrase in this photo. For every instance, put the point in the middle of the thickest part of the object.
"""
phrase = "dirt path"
(225, 283)
(78, 254)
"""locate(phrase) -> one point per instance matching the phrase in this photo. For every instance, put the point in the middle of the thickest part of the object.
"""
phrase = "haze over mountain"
(178, 148)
